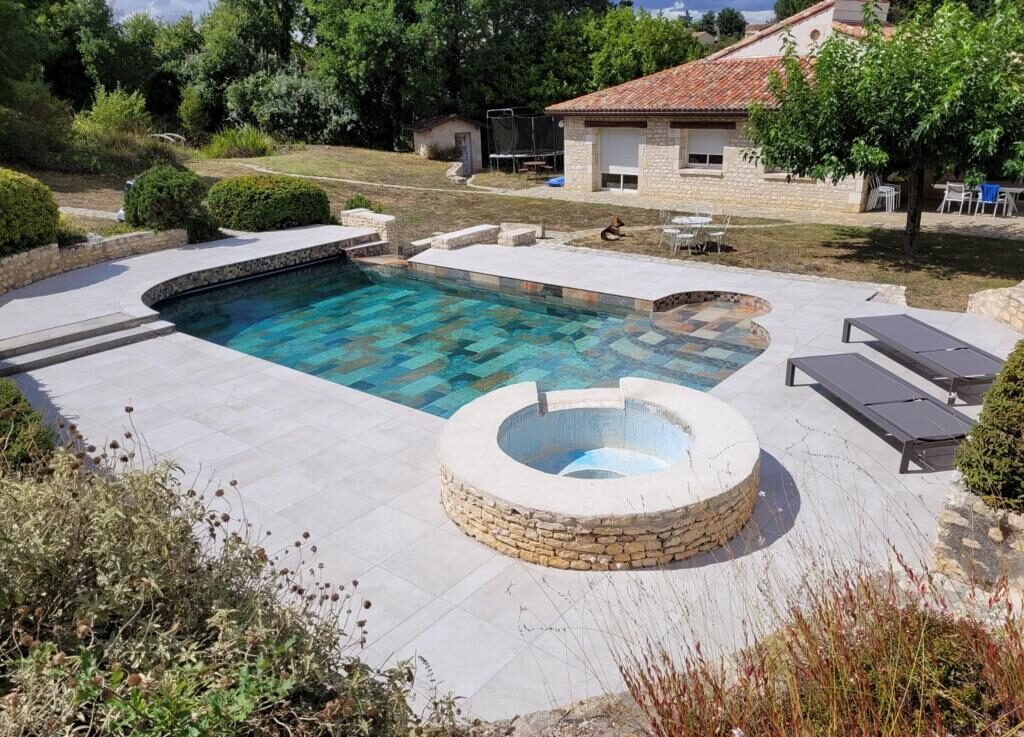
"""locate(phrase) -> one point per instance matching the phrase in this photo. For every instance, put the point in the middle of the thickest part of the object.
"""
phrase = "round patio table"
(691, 220)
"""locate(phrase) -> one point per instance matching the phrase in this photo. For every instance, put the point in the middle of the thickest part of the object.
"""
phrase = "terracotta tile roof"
(427, 124)
(702, 86)
(774, 27)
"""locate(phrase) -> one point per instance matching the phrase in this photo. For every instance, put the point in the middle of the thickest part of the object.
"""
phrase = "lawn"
(81, 190)
(360, 164)
(946, 270)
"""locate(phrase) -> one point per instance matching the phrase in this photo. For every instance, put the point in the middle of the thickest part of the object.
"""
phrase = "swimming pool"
(436, 345)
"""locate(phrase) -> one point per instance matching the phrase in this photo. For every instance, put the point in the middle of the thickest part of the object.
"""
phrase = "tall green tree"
(786, 8)
(707, 23)
(731, 23)
(945, 92)
(627, 44)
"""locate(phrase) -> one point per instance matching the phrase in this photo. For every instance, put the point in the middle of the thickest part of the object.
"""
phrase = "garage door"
(620, 157)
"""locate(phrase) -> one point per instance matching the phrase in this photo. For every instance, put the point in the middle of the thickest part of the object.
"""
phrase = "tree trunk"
(915, 200)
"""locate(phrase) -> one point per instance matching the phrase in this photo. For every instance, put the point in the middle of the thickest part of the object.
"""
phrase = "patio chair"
(880, 192)
(990, 195)
(949, 360)
(914, 419)
(688, 235)
(668, 230)
(717, 237)
(957, 193)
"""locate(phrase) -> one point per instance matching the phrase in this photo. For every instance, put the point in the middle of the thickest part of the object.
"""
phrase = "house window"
(705, 148)
(620, 182)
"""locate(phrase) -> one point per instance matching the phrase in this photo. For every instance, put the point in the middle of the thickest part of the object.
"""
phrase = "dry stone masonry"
(1005, 305)
(23, 269)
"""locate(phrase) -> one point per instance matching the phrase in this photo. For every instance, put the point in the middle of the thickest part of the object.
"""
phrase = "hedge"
(26, 441)
(28, 213)
(163, 197)
(992, 459)
(268, 202)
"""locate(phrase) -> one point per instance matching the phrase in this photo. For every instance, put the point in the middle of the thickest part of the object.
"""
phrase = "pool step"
(77, 346)
(19, 345)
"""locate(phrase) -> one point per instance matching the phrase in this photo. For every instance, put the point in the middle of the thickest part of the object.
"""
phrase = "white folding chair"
(718, 236)
(992, 195)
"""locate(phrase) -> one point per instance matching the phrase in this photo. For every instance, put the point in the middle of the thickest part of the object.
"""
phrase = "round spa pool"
(596, 442)
(596, 479)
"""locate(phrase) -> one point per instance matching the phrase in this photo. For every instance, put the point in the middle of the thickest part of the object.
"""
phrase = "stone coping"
(724, 452)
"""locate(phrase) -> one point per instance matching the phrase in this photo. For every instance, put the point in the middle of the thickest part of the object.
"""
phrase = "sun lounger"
(916, 420)
(951, 361)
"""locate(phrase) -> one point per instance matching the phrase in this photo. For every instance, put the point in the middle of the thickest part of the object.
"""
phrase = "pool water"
(436, 345)
(599, 463)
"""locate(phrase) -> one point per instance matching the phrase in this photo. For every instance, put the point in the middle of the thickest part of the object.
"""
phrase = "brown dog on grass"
(614, 231)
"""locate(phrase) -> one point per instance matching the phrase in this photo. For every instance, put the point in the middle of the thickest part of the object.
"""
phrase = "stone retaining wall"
(361, 217)
(1005, 305)
(466, 237)
(23, 269)
(599, 544)
(978, 544)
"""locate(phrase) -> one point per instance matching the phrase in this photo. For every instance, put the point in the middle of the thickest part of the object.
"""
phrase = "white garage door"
(620, 150)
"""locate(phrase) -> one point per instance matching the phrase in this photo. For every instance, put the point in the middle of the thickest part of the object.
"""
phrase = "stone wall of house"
(27, 267)
(1005, 305)
(978, 544)
(661, 158)
(599, 544)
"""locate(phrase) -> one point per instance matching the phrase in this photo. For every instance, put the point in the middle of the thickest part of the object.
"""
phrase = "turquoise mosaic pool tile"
(435, 344)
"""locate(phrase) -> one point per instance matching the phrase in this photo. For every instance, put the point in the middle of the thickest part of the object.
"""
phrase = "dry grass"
(947, 269)
(97, 192)
(858, 654)
(507, 180)
(361, 164)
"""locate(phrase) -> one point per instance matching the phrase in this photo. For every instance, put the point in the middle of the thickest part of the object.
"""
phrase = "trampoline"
(518, 135)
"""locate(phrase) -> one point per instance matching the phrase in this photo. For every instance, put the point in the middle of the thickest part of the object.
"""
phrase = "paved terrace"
(360, 473)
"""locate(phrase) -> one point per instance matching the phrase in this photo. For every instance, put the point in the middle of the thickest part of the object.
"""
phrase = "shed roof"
(435, 121)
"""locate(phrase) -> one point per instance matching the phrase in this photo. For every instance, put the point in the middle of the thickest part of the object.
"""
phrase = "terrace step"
(87, 346)
(19, 345)
(366, 246)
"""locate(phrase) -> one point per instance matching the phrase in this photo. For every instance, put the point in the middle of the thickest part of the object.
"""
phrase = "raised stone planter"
(978, 544)
(1005, 305)
(362, 217)
(23, 269)
(517, 237)
(503, 480)
(466, 237)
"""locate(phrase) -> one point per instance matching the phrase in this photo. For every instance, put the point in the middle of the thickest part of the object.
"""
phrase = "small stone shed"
(447, 131)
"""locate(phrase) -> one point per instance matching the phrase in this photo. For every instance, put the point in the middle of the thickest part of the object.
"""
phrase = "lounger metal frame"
(909, 445)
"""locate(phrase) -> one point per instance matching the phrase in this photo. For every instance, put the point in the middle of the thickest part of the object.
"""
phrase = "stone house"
(679, 133)
(446, 132)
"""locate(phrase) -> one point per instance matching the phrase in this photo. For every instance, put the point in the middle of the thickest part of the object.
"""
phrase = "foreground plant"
(858, 655)
(131, 605)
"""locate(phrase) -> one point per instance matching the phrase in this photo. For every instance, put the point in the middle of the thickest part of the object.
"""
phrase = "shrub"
(163, 197)
(35, 127)
(291, 106)
(239, 143)
(116, 112)
(443, 153)
(202, 226)
(267, 202)
(857, 654)
(28, 213)
(192, 113)
(992, 459)
(362, 201)
(25, 440)
(68, 234)
(97, 151)
(128, 607)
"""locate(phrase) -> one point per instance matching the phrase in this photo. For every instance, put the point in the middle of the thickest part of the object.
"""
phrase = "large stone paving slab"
(358, 472)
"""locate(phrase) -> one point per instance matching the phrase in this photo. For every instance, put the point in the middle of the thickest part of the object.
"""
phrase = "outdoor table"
(1013, 191)
(535, 169)
(691, 220)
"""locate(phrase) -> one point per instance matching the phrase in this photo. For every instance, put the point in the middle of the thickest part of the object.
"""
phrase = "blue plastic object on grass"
(556, 182)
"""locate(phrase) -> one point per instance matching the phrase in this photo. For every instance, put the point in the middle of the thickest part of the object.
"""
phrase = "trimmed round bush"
(164, 197)
(268, 202)
(992, 459)
(28, 213)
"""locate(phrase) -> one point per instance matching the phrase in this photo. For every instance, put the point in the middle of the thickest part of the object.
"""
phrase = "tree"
(786, 8)
(731, 23)
(707, 23)
(627, 45)
(945, 93)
